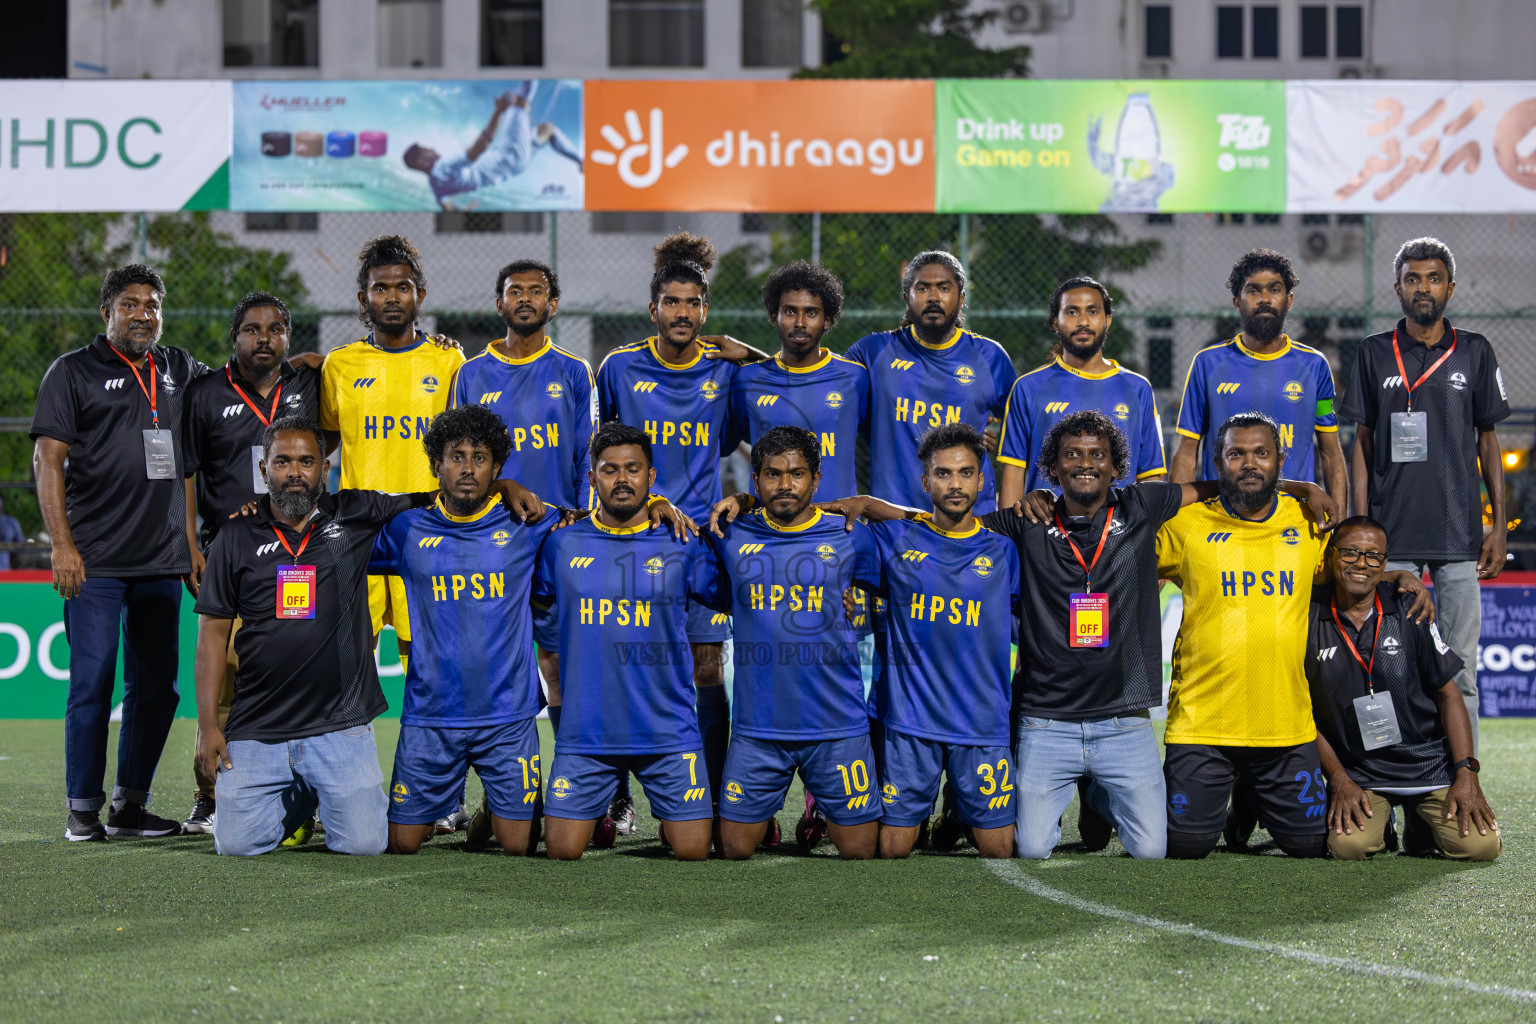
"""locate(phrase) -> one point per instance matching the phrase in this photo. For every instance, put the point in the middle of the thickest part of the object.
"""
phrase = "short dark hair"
(1243, 421)
(1087, 423)
(1424, 248)
(292, 425)
(1256, 260)
(389, 251)
(255, 300)
(801, 276)
(1354, 523)
(529, 266)
(683, 257)
(613, 434)
(473, 423)
(1080, 282)
(117, 281)
(951, 435)
(918, 262)
(782, 441)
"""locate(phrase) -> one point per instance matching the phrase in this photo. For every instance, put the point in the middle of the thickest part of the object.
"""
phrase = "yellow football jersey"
(1239, 676)
(382, 401)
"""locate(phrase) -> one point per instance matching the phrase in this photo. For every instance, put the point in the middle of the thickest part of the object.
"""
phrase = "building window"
(656, 33)
(1349, 32)
(627, 222)
(271, 33)
(1159, 218)
(1231, 219)
(770, 33)
(511, 33)
(1312, 220)
(410, 33)
(1314, 31)
(1266, 31)
(455, 222)
(282, 222)
(1229, 31)
(1157, 25)
(1266, 218)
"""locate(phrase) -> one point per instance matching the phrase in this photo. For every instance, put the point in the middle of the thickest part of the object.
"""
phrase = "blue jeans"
(1118, 754)
(148, 613)
(1458, 617)
(273, 787)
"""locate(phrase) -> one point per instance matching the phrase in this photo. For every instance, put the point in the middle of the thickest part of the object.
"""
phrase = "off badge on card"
(1089, 621)
(295, 591)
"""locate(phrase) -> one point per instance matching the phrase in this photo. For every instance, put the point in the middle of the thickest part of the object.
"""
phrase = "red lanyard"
(1369, 668)
(302, 544)
(1087, 566)
(149, 392)
(1425, 376)
(266, 420)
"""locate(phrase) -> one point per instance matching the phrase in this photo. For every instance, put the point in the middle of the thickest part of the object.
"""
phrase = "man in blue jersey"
(548, 397)
(471, 688)
(676, 386)
(1078, 378)
(626, 671)
(929, 372)
(1262, 370)
(799, 686)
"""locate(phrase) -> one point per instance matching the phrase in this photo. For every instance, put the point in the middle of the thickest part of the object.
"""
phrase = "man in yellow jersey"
(1240, 716)
(381, 392)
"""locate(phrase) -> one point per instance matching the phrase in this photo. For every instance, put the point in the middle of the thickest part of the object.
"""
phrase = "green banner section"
(1009, 146)
(34, 656)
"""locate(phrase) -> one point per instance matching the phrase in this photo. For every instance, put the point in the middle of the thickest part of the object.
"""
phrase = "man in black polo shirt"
(115, 513)
(299, 736)
(1392, 728)
(1426, 397)
(226, 413)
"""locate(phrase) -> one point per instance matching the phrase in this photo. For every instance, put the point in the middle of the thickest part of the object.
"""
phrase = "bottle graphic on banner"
(1135, 165)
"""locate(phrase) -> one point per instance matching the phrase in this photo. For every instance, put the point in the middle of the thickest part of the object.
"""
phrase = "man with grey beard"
(108, 459)
(299, 738)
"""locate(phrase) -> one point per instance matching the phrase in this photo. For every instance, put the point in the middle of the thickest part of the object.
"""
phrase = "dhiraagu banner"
(1109, 146)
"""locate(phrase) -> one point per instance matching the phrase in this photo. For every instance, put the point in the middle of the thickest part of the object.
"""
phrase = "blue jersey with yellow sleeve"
(626, 669)
(915, 387)
(1293, 386)
(829, 398)
(469, 580)
(796, 657)
(685, 410)
(942, 660)
(549, 403)
(1042, 397)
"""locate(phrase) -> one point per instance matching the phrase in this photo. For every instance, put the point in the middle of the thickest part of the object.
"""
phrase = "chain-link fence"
(1168, 274)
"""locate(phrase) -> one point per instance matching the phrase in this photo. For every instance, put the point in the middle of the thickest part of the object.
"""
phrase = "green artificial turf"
(164, 929)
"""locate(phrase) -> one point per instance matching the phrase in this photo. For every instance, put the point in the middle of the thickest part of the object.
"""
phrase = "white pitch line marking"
(1013, 874)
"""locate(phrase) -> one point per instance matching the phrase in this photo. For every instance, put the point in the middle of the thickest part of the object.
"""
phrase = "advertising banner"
(788, 147)
(1007, 146)
(453, 145)
(1506, 652)
(108, 146)
(1411, 147)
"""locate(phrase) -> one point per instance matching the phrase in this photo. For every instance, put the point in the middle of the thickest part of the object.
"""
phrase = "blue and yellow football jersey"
(915, 387)
(829, 398)
(942, 667)
(469, 580)
(1042, 397)
(549, 403)
(796, 657)
(626, 669)
(1293, 386)
(686, 411)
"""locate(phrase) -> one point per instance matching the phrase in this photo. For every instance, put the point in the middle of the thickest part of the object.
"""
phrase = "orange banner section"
(834, 146)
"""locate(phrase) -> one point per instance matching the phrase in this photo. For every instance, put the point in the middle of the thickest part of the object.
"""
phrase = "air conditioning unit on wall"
(1330, 242)
(1032, 17)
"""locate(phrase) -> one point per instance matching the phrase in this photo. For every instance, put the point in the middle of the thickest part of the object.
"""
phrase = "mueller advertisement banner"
(109, 146)
(790, 147)
(472, 145)
(1411, 147)
(1109, 146)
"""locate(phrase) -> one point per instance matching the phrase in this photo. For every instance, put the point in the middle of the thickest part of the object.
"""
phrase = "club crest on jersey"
(560, 788)
(1293, 391)
(500, 538)
(964, 374)
(655, 565)
(554, 390)
(332, 531)
(1290, 537)
(1122, 411)
(889, 792)
(430, 384)
(733, 791)
(826, 552)
(1116, 527)
(1458, 381)
(400, 792)
(169, 384)
(834, 399)
(293, 399)
(982, 566)
(709, 391)
(1390, 645)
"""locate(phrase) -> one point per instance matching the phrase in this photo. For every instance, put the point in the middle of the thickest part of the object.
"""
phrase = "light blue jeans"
(1458, 617)
(1120, 756)
(273, 787)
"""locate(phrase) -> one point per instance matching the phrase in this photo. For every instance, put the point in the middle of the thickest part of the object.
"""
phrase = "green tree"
(912, 39)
